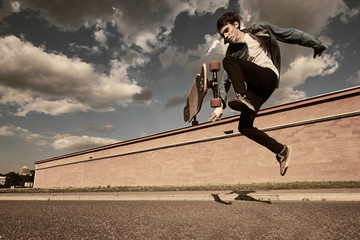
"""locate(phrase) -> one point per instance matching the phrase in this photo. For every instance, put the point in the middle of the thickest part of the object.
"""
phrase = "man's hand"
(216, 115)
(318, 51)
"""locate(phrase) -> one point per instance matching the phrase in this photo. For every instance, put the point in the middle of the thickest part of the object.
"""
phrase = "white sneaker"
(283, 158)
(242, 104)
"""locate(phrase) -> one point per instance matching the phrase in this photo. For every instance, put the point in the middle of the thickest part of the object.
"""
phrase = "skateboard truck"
(214, 67)
(198, 91)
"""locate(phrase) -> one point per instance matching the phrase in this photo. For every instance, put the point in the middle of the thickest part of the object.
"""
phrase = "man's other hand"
(318, 51)
(216, 115)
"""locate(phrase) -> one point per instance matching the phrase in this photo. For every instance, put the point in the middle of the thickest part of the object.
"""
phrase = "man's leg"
(257, 84)
(261, 83)
(242, 72)
(247, 129)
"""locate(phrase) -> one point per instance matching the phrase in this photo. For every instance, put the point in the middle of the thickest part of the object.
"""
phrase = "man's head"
(228, 26)
(229, 17)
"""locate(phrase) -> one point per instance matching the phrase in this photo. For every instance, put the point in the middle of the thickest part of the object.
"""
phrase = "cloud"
(76, 143)
(7, 8)
(86, 49)
(172, 55)
(348, 14)
(301, 69)
(142, 26)
(309, 16)
(304, 67)
(167, 57)
(211, 50)
(175, 101)
(41, 143)
(107, 128)
(71, 15)
(143, 97)
(22, 134)
(354, 79)
(100, 34)
(59, 141)
(51, 83)
(100, 37)
(12, 130)
(15, 5)
(156, 19)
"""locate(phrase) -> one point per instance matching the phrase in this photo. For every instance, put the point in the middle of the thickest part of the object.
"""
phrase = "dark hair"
(229, 17)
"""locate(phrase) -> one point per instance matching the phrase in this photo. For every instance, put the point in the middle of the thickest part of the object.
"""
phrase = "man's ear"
(237, 25)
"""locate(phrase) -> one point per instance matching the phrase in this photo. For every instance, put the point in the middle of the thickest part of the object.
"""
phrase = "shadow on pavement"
(218, 199)
(242, 196)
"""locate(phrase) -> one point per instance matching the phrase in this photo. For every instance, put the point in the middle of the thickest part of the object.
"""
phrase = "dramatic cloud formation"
(148, 28)
(310, 16)
(55, 84)
(299, 70)
(139, 25)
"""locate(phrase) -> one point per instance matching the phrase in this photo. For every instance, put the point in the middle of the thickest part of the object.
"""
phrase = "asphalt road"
(178, 220)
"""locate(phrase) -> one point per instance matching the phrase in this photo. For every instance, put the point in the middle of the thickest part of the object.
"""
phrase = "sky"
(80, 74)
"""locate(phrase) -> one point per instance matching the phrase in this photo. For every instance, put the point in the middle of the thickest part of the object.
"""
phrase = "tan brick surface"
(323, 151)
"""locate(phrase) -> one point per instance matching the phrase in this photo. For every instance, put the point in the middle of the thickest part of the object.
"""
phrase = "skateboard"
(198, 92)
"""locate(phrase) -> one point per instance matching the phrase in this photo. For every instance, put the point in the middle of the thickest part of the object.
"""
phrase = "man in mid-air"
(252, 67)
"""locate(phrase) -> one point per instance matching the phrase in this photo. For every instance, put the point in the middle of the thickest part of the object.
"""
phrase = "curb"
(224, 197)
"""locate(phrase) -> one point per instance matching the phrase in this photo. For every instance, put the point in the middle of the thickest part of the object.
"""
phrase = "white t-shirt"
(259, 52)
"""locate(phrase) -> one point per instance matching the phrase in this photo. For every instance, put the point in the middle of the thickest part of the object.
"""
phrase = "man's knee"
(228, 61)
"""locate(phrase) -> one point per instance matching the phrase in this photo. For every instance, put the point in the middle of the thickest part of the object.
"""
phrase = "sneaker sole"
(239, 106)
(287, 162)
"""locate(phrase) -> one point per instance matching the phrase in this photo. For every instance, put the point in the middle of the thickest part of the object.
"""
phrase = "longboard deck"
(196, 95)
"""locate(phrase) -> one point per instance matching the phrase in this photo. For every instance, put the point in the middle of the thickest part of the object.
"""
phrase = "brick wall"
(324, 132)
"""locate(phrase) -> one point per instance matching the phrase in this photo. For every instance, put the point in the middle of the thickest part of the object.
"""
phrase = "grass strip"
(210, 187)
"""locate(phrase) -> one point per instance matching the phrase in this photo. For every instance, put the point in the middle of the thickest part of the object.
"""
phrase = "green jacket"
(273, 34)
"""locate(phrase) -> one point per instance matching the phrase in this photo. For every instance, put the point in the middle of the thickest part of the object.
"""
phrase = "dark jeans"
(257, 83)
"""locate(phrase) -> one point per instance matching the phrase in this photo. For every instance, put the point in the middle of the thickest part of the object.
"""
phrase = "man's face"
(230, 32)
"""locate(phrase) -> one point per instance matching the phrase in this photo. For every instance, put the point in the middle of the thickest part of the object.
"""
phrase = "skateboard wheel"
(214, 66)
(215, 102)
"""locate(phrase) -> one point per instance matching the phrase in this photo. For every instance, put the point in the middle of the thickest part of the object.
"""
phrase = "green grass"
(223, 187)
